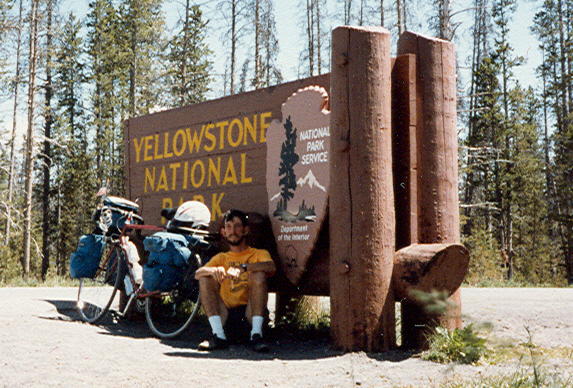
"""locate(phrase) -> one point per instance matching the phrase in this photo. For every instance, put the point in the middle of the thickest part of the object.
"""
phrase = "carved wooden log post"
(437, 164)
(361, 195)
(427, 267)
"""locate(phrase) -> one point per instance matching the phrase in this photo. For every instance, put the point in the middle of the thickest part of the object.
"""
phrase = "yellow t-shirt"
(235, 292)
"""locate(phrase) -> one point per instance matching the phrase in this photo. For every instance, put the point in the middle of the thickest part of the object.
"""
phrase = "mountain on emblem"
(298, 175)
(311, 181)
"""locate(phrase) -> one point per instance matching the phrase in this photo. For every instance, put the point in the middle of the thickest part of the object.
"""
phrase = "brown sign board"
(215, 152)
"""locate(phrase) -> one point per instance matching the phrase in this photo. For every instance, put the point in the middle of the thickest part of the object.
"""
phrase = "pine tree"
(47, 154)
(5, 25)
(535, 260)
(189, 66)
(441, 23)
(75, 180)
(15, 87)
(313, 53)
(289, 158)
(271, 72)
(504, 191)
(29, 155)
(265, 67)
(109, 74)
(234, 14)
(140, 41)
(553, 25)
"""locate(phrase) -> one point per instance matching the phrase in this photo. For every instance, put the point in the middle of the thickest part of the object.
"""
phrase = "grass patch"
(459, 345)
(502, 352)
(496, 283)
(521, 378)
(51, 281)
(304, 318)
(531, 370)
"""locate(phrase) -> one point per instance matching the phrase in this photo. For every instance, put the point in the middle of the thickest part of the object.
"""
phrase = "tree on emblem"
(288, 159)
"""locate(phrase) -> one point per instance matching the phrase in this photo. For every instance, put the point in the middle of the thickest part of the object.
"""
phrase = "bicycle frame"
(138, 290)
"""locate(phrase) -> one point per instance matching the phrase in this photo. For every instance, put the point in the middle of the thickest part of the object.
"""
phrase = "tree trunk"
(257, 78)
(318, 39)
(133, 64)
(563, 50)
(183, 69)
(233, 44)
(401, 12)
(29, 157)
(12, 169)
(48, 120)
(310, 35)
(444, 16)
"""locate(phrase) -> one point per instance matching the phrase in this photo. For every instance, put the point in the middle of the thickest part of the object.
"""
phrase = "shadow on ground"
(112, 323)
(285, 344)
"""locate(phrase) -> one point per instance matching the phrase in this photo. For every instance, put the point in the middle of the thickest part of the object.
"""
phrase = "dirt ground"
(43, 343)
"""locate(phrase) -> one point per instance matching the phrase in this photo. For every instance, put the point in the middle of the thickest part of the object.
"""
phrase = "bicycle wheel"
(96, 295)
(168, 314)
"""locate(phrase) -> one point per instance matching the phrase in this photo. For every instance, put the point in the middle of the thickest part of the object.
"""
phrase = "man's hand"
(219, 274)
(233, 273)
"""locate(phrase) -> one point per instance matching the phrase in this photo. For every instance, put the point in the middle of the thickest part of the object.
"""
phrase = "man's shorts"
(237, 327)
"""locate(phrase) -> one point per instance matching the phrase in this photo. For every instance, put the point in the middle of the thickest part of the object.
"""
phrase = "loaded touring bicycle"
(107, 265)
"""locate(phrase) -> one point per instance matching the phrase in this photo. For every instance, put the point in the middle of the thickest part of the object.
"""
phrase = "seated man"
(235, 279)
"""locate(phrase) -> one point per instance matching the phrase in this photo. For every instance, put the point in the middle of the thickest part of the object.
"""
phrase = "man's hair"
(232, 213)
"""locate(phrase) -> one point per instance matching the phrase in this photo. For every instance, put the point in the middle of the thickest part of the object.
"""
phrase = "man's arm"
(268, 267)
(217, 273)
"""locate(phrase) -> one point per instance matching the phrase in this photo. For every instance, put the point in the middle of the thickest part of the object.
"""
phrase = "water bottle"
(128, 285)
(133, 258)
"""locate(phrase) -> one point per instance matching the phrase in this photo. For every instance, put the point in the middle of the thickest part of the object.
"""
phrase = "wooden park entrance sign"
(350, 177)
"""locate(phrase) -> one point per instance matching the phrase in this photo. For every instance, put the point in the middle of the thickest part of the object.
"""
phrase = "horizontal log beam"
(427, 267)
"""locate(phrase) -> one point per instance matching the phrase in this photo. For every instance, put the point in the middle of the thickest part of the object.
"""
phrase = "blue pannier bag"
(161, 277)
(167, 248)
(167, 261)
(177, 257)
(85, 260)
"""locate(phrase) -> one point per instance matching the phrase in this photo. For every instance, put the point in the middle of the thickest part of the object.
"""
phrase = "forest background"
(71, 72)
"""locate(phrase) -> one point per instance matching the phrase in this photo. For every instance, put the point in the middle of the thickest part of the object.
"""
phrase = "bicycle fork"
(130, 290)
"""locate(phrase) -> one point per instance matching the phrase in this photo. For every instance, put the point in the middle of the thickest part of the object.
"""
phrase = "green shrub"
(304, 316)
(458, 345)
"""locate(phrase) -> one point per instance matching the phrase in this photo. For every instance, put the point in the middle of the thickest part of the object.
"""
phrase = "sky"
(288, 20)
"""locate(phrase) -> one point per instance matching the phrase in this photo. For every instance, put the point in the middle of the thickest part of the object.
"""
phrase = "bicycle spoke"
(95, 296)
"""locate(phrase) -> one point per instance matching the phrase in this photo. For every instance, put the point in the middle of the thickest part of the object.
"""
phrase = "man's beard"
(237, 242)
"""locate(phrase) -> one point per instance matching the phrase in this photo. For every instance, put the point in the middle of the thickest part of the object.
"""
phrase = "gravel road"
(42, 343)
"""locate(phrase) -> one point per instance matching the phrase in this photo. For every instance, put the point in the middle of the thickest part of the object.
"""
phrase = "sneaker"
(256, 343)
(213, 343)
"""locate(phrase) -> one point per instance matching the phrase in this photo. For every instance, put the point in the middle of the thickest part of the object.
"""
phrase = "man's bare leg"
(213, 305)
(258, 296)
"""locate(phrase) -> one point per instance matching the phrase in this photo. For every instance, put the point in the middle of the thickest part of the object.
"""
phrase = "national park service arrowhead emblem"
(298, 175)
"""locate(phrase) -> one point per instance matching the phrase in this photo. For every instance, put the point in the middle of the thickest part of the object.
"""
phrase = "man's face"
(234, 231)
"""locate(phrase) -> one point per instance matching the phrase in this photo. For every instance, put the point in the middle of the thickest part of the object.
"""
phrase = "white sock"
(257, 321)
(217, 326)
